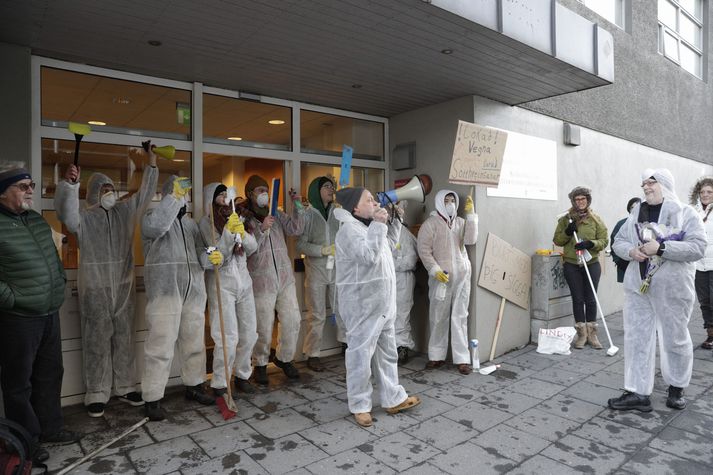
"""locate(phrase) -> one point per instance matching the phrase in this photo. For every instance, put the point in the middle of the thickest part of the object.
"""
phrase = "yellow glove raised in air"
(441, 277)
(469, 206)
(181, 187)
(215, 257)
(328, 250)
(235, 225)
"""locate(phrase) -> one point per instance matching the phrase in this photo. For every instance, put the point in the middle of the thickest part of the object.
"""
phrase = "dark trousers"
(31, 372)
(704, 291)
(584, 304)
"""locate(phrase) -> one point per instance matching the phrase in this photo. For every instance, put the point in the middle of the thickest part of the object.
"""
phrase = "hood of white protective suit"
(208, 192)
(343, 216)
(441, 206)
(96, 181)
(167, 187)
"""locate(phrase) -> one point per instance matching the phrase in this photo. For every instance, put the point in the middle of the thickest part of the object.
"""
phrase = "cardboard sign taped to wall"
(477, 155)
(506, 271)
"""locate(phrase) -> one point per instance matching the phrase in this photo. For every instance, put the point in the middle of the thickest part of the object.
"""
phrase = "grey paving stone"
(584, 456)
(137, 438)
(287, 454)
(531, 360)
(232, 463)
(280, 423)
(163, 457)
(350, 462)
(177, 424)
(477, 416)
(417, 363)
(116, 463)
(429, 407)
(539, 465)
(246, 410)
(511, 443)
(324, 410)
(652, 421)
(586, 366)
(536, 388)
(607, 379)
(467, 458)
(570, 408)
(441, 432)
(337, 436)
(543, 424)
(612, 434)
(509, 401)
(593, 393)
(702, 403)
(704, 365)
(455, 395)
(385, 424)
(693, 390)
(319, 389)
(487, 384)
(274, 401)
(558, 376)
(399, 451)
(655, 462)
(218, 441)
(435, 377)
(414, 386)
(424, 468)
(684, 444)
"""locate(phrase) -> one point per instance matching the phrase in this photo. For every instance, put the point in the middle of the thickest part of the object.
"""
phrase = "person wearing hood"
(317, 244)
(593, 238)
(405, 259)
(701, 199)
(273, 279)
(175, 256)
(107, 293)
(441, 247)
(665, 238)
(366, 288)
(236, 290)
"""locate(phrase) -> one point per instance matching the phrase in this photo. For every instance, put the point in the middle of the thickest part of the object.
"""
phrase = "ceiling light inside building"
(121, 100)
(275, 122)
(154, 42)
(235, 138)
(447, 51)
(356, 86)
(96, 122)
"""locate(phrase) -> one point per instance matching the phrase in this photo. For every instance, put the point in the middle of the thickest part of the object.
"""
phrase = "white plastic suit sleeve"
(66, 202)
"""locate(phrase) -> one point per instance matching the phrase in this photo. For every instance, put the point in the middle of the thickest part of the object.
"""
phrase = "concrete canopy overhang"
(380, 57)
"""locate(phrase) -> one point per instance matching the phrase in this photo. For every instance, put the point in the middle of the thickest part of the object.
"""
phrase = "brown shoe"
(464, 369)
(592, 338)
(411, 401)
(363, 419)
(434, 364)
(708, 344)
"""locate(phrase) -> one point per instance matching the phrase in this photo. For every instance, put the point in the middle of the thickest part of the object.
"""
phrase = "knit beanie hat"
(349, 197)
(253, 182)
(12, 176)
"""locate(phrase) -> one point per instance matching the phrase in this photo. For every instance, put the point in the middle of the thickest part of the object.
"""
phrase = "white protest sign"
(477, 155)
(506, 271)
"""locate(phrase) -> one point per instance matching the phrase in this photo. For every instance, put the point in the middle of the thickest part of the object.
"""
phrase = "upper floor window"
(681, 33)
(612, 10)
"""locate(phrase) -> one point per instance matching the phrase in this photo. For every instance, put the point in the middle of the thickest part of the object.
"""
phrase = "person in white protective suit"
(366, 288)
(441, 246)
(317, 245)
(405, 259)
(107, 294)
(175, 256)
(273, 279)
(664, 237)
(236, 290)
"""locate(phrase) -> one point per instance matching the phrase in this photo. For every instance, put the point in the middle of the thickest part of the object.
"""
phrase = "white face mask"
(108, 200)
(451, 209)
(262, 200)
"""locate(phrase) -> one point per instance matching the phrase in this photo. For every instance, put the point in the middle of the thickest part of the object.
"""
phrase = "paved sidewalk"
(538, 414)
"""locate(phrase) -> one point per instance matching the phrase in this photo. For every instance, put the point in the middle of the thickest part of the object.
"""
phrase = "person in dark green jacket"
(32, 285)
(622, 264)
(592, 238)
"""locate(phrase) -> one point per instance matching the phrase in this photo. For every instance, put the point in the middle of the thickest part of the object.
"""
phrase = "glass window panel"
(234, 170)
(326, 134)
(689, 30)
(694, 7)
(124, 106)
(690, 60)
(670, 46)
(612, 10)
(233, 121)
(667, 14)
(370, 178)
(123, 164)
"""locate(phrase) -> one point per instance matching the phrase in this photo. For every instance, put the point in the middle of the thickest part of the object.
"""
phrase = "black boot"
(289, 369)
(244, 386)
(629, 401)
(260, 375)
(198, 393)
(403, 354)
(314, 363)
(675, 399)
(154, 411)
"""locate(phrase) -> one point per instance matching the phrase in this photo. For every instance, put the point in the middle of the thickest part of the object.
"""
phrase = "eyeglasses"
(648, 183)
(328, 186)
(24, 186)
(580, 198)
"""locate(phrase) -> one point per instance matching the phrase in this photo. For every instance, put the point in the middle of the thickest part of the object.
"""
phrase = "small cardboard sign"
(477, 155)
(506, 271)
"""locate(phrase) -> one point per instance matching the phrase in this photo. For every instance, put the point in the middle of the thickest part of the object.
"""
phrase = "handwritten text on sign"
(506, 271)
(477, 155)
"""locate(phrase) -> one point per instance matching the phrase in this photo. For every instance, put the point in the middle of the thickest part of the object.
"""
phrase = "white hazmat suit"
(175, 258)
(366, 286)
(665, 308)
(236, 292)
(405, 260)
(107, 294)
(441, 247)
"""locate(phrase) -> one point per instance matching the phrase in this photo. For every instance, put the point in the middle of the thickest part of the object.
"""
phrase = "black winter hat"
(348, 198)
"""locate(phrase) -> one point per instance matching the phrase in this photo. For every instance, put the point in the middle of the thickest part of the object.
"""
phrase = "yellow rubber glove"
(442, 277)
(469, 206)
(215, 258)
(236, 226)
(181, 187)
(398, 246)
(328, 250)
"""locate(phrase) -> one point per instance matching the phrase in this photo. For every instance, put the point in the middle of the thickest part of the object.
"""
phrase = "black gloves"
(584, 245)
(570, 229)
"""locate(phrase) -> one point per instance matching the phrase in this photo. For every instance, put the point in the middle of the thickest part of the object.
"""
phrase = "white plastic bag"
(555, 341)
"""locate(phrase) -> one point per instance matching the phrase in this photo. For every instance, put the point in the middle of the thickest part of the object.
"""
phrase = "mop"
(612, 348)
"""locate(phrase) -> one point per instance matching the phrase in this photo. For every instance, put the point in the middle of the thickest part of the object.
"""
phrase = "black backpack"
(16, 449)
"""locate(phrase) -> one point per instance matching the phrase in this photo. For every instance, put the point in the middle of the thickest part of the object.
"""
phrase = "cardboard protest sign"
(506, 271)
(477, 155)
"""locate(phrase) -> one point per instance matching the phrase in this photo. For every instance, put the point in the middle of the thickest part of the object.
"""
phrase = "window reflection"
(370, 178)
(326, 134)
